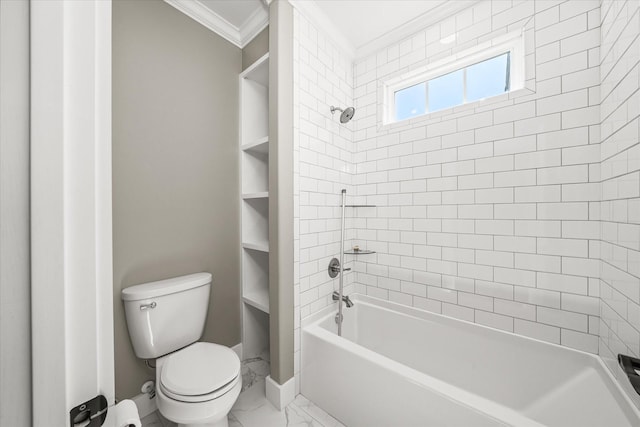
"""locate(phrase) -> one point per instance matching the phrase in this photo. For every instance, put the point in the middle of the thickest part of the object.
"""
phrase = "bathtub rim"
(313, 321)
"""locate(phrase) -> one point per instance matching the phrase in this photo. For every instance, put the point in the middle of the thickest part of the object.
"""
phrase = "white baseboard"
(238, 349)
(145, 404)
(280, 395)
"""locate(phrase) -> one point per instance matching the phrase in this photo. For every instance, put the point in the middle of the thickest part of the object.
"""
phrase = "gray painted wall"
(256, 48)
(281, 319)
(15, 293)
(175, 166)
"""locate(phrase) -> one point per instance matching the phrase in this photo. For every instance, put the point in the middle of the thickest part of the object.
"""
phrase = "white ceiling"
(362, 21)
(360, 27)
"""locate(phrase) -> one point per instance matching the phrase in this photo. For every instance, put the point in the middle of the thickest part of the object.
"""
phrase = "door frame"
(71, 239)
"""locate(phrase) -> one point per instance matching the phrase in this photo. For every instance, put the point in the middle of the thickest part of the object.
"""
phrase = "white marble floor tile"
(253, 371)
(152, 420)
(252, 409)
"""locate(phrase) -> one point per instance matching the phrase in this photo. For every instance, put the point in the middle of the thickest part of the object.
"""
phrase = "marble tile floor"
(253, 410)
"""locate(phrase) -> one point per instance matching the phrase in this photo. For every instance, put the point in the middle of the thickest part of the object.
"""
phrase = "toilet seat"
(200, 372)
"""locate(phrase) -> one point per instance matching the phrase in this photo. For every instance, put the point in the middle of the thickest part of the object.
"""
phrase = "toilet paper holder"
(91, 413)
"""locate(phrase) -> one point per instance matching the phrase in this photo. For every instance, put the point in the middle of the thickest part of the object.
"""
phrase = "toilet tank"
(166, 315)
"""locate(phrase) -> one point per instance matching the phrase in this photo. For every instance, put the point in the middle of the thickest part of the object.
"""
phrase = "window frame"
(512, 43)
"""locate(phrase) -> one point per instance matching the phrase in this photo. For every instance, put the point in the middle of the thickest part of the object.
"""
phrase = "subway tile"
(562, 246)
(562, 283)
(538, 159)
(536, 296)
(580, 304)
(514, 276)
(565, 211)
(561, 30)
(538, 331)
(538, 228)
(514, 178)
(515, 309)
(494, 195)
(427, 304)
(475, 301)
(562, 319)
(581, 229)
(515, 244)
(563, 174)
(515, 211)
(489, 212)
(538, 262)
(493, 320)
(579, 340)
(538, 193)
(458, 312)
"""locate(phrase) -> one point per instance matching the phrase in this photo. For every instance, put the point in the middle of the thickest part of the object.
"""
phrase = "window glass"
(411, 102)
(446, 91)
(488, 78)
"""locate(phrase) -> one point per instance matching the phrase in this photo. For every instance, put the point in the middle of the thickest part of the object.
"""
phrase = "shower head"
(347, 113)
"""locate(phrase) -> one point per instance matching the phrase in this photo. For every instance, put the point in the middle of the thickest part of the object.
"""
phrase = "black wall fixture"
(631, 367)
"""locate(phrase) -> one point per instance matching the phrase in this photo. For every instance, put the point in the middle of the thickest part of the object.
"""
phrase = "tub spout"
(345, 298)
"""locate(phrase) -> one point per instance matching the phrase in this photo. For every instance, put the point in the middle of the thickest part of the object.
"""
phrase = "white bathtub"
(400, 366)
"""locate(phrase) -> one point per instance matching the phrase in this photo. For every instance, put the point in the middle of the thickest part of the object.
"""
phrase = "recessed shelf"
(258, 71)
(256, 246)
(360, 252)
(261, 145)
(258, 195)
(254, 207)
(258, 298)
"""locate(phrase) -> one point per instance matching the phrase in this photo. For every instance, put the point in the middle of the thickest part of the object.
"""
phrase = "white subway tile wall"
(498, 220)
(520, 212)
(323, 166)
(619, 172)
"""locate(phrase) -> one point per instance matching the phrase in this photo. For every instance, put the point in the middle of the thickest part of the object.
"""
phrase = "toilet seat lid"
(199, 369)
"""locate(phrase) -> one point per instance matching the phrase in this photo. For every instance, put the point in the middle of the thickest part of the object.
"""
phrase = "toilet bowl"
(197, 383)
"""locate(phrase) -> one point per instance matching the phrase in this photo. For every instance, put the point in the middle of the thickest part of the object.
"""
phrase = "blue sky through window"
(468, 84)
(487, 78)
(411, 102)
(446, 91)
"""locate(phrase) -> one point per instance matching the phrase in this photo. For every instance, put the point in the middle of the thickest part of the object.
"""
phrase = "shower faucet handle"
(335, 268)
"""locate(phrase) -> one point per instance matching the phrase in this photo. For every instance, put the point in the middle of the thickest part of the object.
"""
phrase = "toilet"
(197, 383)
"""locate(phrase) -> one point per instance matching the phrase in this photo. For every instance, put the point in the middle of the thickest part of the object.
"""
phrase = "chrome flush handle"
(150, 306)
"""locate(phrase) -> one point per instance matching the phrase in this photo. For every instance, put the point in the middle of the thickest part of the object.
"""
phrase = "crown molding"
(253, 25)
(313, 13)
(240, 37)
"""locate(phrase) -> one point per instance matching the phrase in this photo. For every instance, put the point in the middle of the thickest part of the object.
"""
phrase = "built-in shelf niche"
(254, 206)
(255, 171)
(255, 340)
(255, 289)
(255, 104)
(255, 220)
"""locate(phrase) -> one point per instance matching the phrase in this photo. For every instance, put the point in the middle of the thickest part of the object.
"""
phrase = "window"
(475, 82)
(411, 102)
(487, 78)
(489, 70)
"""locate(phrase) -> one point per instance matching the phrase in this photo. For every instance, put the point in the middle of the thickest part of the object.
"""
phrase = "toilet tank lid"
(165, 287)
